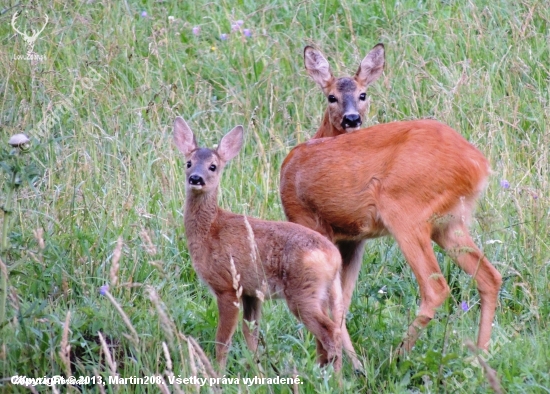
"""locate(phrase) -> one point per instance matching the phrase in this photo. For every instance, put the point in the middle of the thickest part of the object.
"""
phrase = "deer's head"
(347, 97)
(204, 166)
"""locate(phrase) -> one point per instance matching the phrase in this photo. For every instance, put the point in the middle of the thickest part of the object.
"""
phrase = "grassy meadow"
(98, 197)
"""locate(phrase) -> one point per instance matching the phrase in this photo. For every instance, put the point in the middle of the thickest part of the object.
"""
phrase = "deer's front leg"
(228, 308)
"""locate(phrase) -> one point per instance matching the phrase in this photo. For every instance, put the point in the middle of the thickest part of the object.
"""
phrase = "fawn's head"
(347, 97)
(204, 166)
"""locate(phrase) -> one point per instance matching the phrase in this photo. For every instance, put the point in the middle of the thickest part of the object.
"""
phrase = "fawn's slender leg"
(328, 333)
(252, 307)
(228, 308)
(312, 311)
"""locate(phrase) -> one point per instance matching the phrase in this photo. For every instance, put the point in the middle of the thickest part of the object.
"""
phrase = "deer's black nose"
(351, 121)
(196, 180)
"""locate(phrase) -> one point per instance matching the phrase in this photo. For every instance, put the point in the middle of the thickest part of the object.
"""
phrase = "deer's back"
(415, 168)
(266, 255)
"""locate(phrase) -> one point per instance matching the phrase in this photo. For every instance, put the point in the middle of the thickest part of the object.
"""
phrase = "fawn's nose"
(196, 180)
(351, 121)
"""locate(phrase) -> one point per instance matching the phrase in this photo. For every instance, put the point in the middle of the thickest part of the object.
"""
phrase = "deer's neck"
(201, 210)
(327, 129)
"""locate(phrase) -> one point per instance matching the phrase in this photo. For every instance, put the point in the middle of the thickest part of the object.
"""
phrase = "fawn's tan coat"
(243, 259)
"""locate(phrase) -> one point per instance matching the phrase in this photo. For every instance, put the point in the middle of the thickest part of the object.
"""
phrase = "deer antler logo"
(29, 40)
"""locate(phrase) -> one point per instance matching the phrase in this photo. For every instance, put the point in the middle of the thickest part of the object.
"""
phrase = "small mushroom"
(19, 140)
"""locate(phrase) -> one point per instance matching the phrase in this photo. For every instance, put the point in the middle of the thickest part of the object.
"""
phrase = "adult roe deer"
(415, 180)
(243, 258)
(346, 96)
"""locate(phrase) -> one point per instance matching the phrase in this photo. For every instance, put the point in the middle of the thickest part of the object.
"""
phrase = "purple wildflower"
(504, 184)
(104, 289)
(240, 22)
(235, 27)
(464, 306)
(247, 32)
(144, 14)
(196, 30)
(223, 37)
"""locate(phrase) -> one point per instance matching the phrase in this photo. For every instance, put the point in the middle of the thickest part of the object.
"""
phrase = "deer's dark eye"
(212, 167)
(189, 164)
(332, 98)
(363, 96)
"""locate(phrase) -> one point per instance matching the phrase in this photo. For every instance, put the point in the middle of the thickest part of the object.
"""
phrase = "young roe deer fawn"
(242, 258)
(415, 180)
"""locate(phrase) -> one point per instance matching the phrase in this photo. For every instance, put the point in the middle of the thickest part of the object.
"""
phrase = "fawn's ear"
(183, 137)
(317, 67)
(372, 65)
(231, 144)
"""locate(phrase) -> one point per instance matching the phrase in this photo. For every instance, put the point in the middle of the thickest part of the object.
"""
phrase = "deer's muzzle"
(196, 180)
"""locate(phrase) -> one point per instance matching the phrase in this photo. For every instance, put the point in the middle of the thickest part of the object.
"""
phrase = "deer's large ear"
(372, 65)
(231, 144)
(317, 67)
(183, 137)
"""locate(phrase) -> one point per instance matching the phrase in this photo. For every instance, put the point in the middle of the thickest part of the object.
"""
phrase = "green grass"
(107, 169)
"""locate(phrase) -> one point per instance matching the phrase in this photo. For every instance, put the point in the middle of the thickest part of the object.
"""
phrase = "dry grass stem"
(150, 248)
(163, 386)
(295, 389)
(65, 285)
(192, 361)
(101, 388)
(39, 236)
(65, 351)
(251, 240)
(168, 371)
(491, 374)
(134, 338)
(32, 390)
(175, 385)
(236, 279)
(205, 361)
(114, 262)
(167, 356)
(108, 357)
(3, 269)
(167, 325)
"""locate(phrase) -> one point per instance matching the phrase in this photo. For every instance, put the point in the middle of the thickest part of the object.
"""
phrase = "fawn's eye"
(332, 98)
(189, 164)
(212, 167)
(363, 96)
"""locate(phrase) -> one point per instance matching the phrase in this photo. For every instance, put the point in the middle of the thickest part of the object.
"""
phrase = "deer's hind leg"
(252, 307)
(310, 305)
(416, 245)
(457, 242)
(326, 332)
(304, 310)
